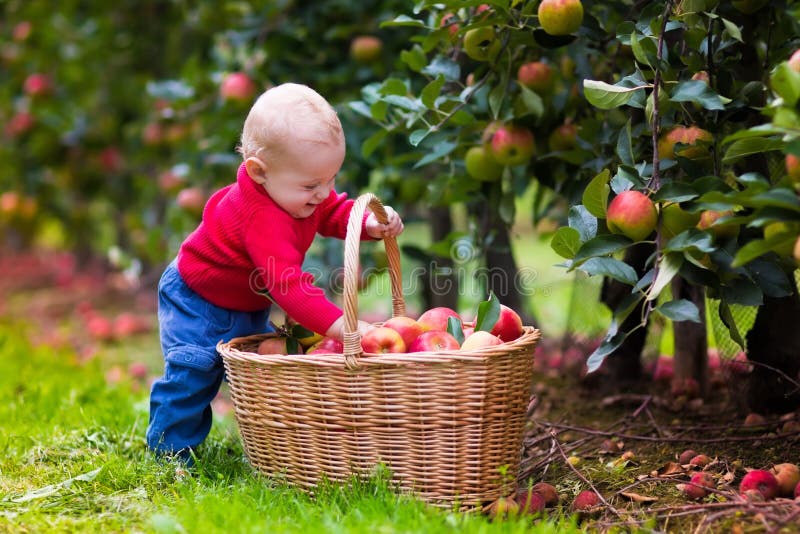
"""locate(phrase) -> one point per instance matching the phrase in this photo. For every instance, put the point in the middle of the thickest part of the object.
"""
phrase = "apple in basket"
(408, 328)
(508, 326)
(278, 345)
(436, 318)
(381, 340)
(480, 339)
(434, 341)
(326, 345)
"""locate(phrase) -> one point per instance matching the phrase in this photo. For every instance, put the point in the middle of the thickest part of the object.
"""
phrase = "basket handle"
(352, 338)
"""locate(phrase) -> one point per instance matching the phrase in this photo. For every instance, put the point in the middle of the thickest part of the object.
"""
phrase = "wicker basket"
(449, 425)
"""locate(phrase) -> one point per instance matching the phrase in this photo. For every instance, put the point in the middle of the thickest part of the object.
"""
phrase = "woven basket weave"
(447, 424)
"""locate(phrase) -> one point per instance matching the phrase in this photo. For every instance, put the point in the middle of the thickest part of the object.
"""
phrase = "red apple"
(408, 328)
(125, 325)
(381, 340)
(512, 145)
(708, 221)
(100, 328)
(793, 168)
(536, 75)
(664, 369)
(794, 61)
(326, 345)
(508, 326)
(273, 345)
(237, 86)
(560, 17)
(434, 341)
(788, 476)
(564, 137)
(191, 199)
(137, 370)
(632, 214)
(22, 30)
(450, 21)
(699, 485)
(759, 482)
(436, 318)
(38, 85)
(480, 339)
(739, 364)
(585, 500)
(19, 124)
(529, 501)
(111, 160)
(153, 134)
(366, 48)
(170, 182)
(697, 139)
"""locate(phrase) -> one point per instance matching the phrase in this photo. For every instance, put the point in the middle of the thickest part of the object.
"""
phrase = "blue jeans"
(190, 327)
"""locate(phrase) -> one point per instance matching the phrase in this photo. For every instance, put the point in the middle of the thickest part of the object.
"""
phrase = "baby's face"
(304, 177)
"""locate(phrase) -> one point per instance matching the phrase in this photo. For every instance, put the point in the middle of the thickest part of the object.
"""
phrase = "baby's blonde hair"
(285, 114)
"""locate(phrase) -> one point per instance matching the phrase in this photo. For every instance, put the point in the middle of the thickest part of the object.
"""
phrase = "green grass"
(74, 460)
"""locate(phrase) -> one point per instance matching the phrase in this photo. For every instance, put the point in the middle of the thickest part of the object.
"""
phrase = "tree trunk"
(774, 341)
(502, 271)
(691, 344)
(625, 364)
(440, 283)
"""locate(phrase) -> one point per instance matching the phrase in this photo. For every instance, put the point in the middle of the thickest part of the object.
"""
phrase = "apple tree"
(688, 104)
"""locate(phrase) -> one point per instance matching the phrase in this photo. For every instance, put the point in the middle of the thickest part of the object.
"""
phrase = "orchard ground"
(74, 410)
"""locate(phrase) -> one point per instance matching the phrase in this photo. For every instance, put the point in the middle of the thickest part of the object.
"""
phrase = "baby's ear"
(256, 169)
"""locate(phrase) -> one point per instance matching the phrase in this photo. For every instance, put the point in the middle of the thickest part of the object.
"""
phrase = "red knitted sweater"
(247, 246)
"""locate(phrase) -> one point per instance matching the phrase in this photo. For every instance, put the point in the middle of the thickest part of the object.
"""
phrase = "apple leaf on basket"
(455, 329)
(488, 313)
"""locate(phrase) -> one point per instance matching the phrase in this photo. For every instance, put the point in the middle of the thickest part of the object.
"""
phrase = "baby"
(247, 252)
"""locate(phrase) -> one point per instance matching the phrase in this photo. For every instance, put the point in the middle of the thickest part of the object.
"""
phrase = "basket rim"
(230, 351)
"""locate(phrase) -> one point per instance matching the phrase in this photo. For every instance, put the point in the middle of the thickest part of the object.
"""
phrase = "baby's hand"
(392, 228)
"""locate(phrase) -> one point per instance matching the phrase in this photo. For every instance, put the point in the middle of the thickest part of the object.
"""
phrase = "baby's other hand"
(392, 228)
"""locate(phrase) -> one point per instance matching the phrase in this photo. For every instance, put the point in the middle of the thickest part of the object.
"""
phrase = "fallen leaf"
(669, 469)
(635, 497)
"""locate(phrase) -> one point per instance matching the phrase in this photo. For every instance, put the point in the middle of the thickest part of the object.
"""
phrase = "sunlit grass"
(74, 460)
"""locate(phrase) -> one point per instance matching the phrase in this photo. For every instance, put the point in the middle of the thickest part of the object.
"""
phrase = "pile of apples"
(437, 329)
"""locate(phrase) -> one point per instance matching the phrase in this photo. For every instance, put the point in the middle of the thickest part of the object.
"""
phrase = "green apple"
(708, 219)
(481, 44)
(785, 229)
(564, 137)
(481, 165)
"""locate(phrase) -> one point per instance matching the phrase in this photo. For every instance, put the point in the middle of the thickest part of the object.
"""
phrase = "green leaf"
(625, 145)
(432, 91)
(610, 343)
(405, 102)
(750, 146)
(416, 137)
(667, 269)
(743, 291)
(300, 331)
(644, 50)
(372, 142)
(443, 66)
(293, 346)
(612, 268)
(496, 96)
(680, 310)
(531, 101)
(727, 319)
(440, 150)
(700, 93)
(488, 314)
(691, 239)
(583, 221)
(414, 58)
(732, 29)
(606, 96)
(595, 196)
(759, 247)
(675, 192)
(602, 245)
(361, 108)
(507, 208)
(455, 329)
(786, 83)
(762, 130)
(378, 110)
(393, 86)
(566, 242)
(403, 20)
